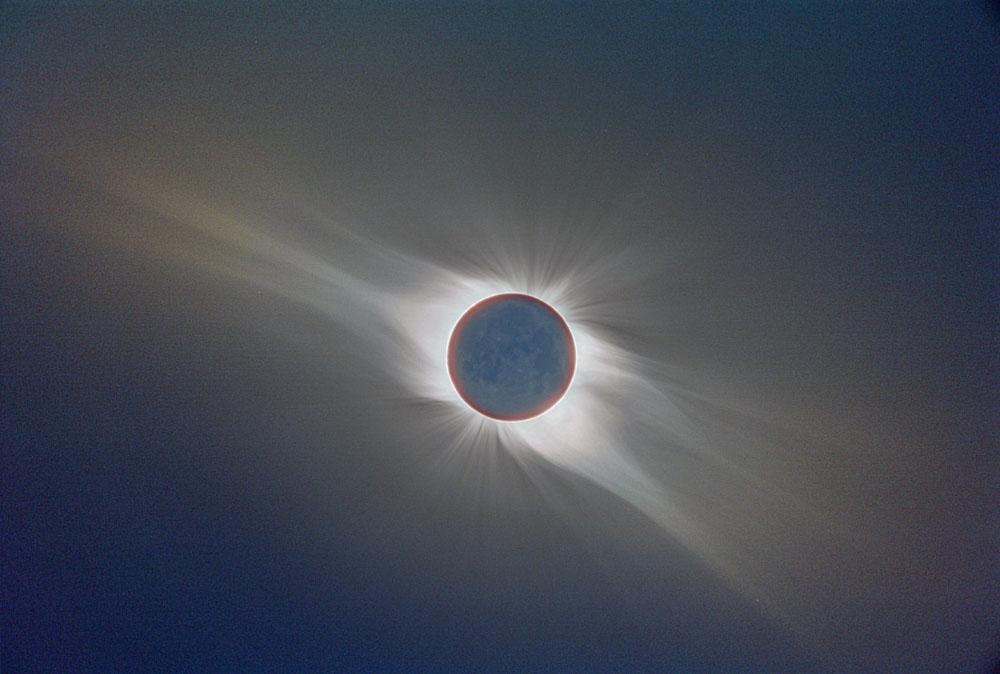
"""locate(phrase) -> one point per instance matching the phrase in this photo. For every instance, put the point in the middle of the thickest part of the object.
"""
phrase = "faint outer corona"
(511, 357)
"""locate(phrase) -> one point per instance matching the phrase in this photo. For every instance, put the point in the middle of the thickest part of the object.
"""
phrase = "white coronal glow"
(618, 425)
(586, 431)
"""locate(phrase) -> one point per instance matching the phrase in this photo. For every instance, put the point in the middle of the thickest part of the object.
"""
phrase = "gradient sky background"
(794, 206)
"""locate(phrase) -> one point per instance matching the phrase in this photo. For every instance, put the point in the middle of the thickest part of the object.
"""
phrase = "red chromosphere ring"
(557, 324)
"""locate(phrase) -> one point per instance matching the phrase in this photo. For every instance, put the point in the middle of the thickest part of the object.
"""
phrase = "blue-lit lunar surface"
(511, 357)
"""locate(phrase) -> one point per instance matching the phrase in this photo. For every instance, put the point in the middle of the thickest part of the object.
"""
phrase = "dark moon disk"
(511, 357)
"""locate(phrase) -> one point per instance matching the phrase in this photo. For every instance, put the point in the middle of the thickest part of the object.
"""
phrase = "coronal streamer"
(639, 427)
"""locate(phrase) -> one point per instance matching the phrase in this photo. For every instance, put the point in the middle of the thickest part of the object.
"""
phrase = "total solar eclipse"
(511, 357)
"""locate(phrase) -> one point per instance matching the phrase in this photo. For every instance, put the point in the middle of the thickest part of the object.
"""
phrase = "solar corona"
(511, 357)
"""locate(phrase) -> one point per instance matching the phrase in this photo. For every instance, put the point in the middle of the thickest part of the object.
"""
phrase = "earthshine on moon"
(511, 357)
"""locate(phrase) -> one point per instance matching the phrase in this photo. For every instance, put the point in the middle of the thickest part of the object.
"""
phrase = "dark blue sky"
(200, 477)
